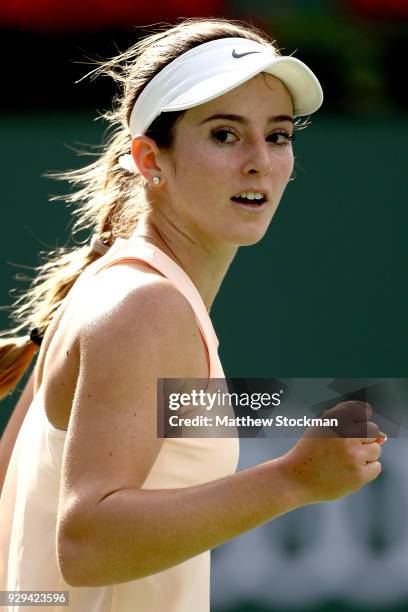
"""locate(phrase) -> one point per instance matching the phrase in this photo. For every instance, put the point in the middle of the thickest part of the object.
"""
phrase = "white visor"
(213, 69)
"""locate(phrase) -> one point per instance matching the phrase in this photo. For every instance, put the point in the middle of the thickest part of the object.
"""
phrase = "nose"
(259, 157)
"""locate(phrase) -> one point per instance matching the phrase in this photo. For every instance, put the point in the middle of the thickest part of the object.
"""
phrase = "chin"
(249, 235)
(247, 238)
(251, 230)
(251, 241)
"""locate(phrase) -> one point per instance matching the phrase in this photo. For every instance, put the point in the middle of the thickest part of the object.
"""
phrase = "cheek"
(285, 166)
(186, 160)
(289, 161)
(199, 167)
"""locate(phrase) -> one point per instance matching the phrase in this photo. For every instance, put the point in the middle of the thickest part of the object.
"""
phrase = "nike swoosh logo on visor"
(237, 55)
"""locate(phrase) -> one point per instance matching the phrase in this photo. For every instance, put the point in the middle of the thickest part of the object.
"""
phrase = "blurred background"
(323, 295)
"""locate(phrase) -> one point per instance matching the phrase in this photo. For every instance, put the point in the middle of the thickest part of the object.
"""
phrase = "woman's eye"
(280, 138)
(226, 136)
(223, 136)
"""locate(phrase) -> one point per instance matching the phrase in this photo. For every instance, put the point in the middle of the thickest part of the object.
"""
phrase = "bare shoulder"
(150, 321)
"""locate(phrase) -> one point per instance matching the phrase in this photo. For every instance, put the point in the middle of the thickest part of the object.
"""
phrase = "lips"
(254, 202)
(250, 198)
(254, 206)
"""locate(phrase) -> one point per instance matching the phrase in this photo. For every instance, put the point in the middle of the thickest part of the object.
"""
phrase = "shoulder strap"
(137, 249)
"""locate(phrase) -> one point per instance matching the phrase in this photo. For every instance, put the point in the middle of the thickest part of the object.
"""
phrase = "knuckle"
(364, 476)
(329, 412)
(375, 469)
(372, 430)
(353, 410)
(372, 451)
(377, 450)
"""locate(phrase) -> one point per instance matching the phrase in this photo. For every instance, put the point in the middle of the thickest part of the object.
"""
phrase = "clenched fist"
(327, 464)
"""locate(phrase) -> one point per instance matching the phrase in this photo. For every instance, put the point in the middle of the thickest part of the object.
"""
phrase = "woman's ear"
(144, 153)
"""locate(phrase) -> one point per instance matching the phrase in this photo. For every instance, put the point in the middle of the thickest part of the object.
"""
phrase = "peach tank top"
(29, 500)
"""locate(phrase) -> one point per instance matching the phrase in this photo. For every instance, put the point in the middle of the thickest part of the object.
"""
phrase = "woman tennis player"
(93, 502)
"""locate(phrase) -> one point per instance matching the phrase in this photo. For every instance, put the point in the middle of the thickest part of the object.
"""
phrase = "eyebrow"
(243, 121)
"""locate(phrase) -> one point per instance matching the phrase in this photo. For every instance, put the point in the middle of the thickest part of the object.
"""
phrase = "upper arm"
(13, 426)
(112, 434)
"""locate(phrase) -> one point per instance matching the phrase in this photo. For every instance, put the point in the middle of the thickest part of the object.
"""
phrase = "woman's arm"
(10, 433)
(109, 529)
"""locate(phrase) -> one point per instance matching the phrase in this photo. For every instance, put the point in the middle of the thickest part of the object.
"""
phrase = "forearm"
(135, 533)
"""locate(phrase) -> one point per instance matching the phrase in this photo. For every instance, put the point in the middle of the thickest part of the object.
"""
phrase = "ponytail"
(41, 301)
(16, 355)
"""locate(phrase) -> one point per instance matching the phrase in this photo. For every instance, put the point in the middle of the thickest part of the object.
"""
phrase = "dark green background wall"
(325, 292)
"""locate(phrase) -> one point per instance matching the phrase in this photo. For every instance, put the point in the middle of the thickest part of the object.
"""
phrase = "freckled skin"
(191, 215)
(202, 174)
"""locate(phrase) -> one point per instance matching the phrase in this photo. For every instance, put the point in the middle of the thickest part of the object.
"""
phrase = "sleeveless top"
(29, 500)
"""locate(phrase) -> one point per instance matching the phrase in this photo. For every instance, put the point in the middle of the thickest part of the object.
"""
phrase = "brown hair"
(108, 200)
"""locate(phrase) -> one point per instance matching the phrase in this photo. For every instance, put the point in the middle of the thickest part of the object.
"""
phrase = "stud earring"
(156, 180)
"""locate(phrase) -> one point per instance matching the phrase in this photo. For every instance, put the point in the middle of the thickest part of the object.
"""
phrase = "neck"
(206, 265)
